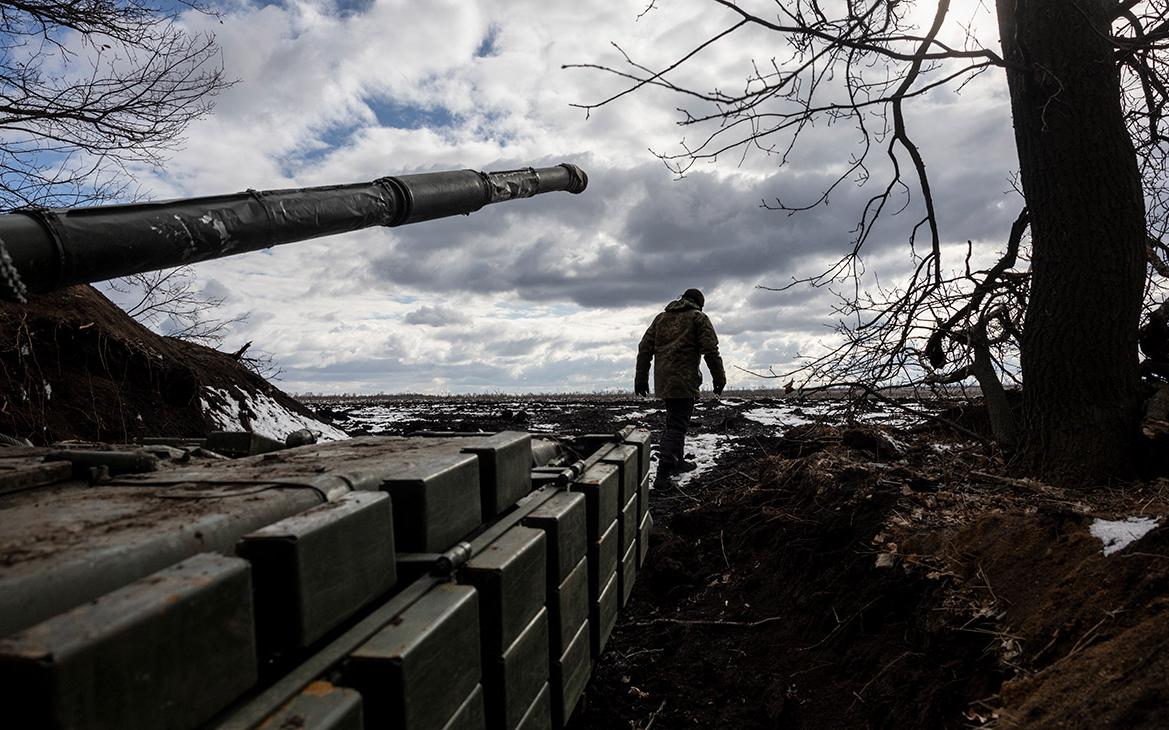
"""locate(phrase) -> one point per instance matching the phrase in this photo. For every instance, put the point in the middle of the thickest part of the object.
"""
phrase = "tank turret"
(42, 249)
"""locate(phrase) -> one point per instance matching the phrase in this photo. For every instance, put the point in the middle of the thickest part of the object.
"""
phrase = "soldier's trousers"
(673, 443)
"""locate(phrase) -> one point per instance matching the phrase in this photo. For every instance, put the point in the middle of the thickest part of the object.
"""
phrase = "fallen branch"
(653, 716)
(876, 393)
(708, 622)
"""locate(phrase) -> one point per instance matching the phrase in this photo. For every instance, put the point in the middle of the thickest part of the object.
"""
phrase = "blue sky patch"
(487, 48)
(390, 113)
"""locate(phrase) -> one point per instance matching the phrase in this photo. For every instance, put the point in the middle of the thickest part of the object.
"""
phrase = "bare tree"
(1062, 304)
(172, 302)
(89, 87)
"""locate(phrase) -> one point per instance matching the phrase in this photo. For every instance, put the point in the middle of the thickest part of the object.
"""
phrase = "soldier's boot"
(681, 466)
(666, 467)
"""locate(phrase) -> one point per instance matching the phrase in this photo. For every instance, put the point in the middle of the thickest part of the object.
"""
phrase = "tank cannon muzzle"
(42, 249)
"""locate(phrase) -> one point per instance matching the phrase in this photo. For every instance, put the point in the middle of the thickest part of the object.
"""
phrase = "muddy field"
(824, 569)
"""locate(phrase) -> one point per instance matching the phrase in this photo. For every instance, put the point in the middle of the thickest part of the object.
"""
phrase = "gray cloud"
(477, 84)
(638, 237)
(437, 316)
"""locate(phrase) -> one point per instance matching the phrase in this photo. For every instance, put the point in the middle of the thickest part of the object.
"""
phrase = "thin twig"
(709, 622)
(654, 715)
(724, 477)
(687, 496)
(839, 625)
(1086, 639)
(884, 669)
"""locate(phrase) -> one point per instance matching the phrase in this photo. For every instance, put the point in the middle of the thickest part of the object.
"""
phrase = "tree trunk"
(1003, 425)
(1081, 387)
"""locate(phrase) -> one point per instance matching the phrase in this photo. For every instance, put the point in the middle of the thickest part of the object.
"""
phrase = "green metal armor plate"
(511, 579)
(415, 670)
(505, 462)
(629, 525)
(539, 715)
(603, 556)
(568, 607)
(600, 486)
(316, 569)
(436, 501)
(514, 680)
(167, 651)
(643, 499)
(647, 526)
(320, 706)
(563, 519)
(627, 460)
(570, 676)
(603, 617)
(627, 574)
(470, 715)
(640, 439)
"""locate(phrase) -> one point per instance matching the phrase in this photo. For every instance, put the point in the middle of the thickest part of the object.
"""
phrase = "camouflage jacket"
(674, 342)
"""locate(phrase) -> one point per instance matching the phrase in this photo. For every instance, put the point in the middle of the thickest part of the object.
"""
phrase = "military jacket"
(675, 342)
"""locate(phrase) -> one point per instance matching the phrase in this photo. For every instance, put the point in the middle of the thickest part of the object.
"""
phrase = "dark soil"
(818, 581)
(74, 366)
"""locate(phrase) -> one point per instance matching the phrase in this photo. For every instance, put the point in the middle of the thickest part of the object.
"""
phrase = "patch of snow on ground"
(223, 411)
(376, 419)
(1119, 534)
(769, 416)
(893, 418)
(269, 418)
(702, 449)
(802, 413)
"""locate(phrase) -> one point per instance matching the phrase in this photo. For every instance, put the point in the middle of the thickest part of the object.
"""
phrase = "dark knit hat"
(695, 296)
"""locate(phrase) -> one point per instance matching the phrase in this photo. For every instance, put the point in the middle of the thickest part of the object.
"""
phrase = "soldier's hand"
(718, 388)
(641, 387)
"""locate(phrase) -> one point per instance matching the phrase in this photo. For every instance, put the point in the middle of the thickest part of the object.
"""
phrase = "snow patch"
(268, 418)
(702, 449)
(1119, 534)
(377, 419)
(769, 416)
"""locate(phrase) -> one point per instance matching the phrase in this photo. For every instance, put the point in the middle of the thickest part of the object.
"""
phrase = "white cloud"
(551, 293)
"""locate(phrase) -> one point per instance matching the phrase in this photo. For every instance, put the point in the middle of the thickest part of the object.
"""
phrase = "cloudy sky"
(552, 293)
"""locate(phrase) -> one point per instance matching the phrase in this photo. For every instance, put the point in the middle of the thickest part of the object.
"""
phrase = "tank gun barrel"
(50, 248)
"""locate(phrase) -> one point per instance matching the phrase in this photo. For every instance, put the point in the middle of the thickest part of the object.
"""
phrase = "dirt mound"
(74, 366)
(860, 578)
(1084, 632)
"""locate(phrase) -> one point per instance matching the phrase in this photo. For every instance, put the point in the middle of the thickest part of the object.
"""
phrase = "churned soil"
(855, 577)
(75, 366)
